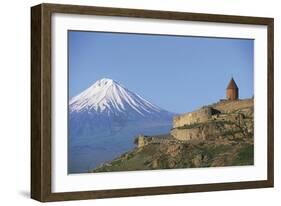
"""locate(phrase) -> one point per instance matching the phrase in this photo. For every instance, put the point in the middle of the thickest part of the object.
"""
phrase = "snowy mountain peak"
(109, 97)
(104, 82)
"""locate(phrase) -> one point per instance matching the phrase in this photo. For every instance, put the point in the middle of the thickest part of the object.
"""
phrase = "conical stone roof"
(232, 84)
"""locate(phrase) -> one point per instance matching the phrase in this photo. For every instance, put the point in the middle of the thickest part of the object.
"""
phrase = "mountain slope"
(109, 97)
(105, 118)
(106, 107)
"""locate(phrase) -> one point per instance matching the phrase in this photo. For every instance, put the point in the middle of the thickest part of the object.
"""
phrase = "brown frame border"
(41, 101)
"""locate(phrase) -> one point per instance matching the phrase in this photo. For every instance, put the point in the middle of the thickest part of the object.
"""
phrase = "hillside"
(224, 140)
(183, 155)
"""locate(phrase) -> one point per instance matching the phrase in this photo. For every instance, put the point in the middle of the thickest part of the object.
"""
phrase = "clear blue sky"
(179, 74)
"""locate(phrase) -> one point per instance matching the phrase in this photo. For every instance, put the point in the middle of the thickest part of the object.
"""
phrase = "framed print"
(130, 102)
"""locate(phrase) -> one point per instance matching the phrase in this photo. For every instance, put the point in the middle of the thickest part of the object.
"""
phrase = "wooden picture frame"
(41, 92)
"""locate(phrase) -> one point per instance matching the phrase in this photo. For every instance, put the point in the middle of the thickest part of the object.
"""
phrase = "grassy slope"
(189, 155)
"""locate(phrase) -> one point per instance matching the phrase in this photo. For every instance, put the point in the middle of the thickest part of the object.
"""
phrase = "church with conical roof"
(232, 90)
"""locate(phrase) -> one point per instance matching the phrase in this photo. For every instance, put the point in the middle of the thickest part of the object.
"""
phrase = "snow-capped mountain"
(104, 120)
(108, 97)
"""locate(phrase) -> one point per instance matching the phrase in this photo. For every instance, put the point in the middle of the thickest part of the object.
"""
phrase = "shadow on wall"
(24, 193)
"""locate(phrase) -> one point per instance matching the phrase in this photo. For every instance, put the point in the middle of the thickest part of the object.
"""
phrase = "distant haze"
(178, 74)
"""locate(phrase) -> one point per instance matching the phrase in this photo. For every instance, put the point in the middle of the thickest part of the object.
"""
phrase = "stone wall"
(145, 140)
(201, 132)
(234, 126)
(230, 118)
(142, 141)
(202, 115)
(230, 106)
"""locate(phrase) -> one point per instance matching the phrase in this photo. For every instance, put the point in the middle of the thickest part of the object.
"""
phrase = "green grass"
(212, 151)
(245, 155)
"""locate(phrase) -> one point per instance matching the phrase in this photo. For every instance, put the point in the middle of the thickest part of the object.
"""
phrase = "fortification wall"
(201, 115)
(230, 106)
(210, 122)
(142, 141)
(145, 140)
(204, 114)
(216, 129)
